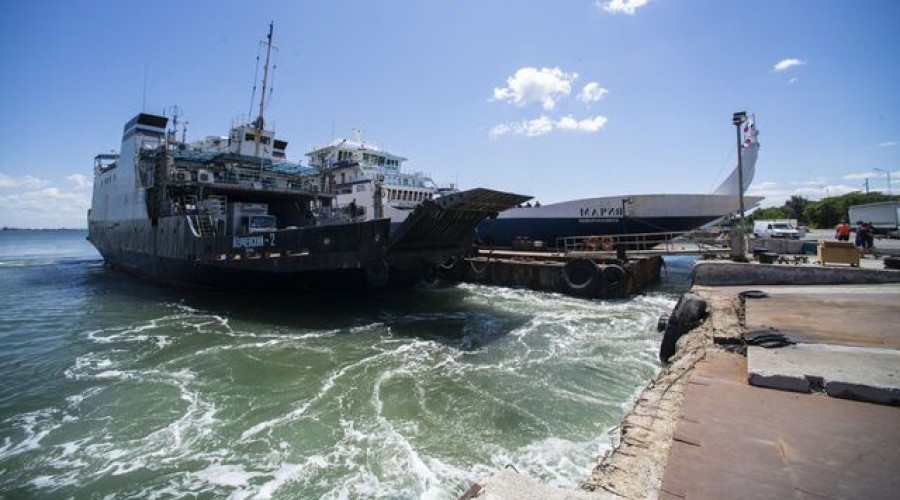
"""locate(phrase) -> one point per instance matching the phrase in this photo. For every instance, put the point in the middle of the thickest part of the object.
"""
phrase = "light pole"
(738, 119)
(888, 174)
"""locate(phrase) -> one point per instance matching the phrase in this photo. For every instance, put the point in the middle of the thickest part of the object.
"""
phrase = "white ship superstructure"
(370, 182)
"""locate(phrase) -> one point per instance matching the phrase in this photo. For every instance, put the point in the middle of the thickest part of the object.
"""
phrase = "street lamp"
(738, 119)
(888, 173)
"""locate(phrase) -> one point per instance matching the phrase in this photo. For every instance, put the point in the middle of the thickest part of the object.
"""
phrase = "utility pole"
(740, 254)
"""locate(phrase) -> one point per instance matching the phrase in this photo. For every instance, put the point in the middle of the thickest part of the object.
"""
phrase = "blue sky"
(559, 100)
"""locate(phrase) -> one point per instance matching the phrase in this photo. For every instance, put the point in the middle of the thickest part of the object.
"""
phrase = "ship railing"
(657, 243)
(265, 183)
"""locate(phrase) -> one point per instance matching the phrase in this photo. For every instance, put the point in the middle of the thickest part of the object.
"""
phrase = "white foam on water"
(289, 472)
(533, 339)
(302, 408)
(230, 475)
(47, 482)
(368, 327)
(556, 461)
(76, 399)
(33, 427)
(181, 439)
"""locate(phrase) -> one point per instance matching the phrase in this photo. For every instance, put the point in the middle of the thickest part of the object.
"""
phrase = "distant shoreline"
(43, 229)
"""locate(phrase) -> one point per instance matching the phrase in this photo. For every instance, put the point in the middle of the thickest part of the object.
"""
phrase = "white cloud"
(812, 189)
(622, 6)
(529, 85)
(44, 208)
(79, 181)
(545, 125)
(29, 202)
(538, 126)
(887, 144)
(587, 125)
(793, 80)
(786, 64)
(528, 128)
(592, 92)
(815, 181)
(27, 181)
(860, 176)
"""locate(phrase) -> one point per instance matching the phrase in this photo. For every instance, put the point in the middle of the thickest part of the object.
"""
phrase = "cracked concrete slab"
(859, 373)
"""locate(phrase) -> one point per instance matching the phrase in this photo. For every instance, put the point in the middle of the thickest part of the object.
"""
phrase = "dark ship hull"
(327, 257)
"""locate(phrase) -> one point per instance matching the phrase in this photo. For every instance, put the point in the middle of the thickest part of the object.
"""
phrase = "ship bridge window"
(252, 137)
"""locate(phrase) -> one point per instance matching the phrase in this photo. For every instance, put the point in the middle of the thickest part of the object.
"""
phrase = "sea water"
(112, 387)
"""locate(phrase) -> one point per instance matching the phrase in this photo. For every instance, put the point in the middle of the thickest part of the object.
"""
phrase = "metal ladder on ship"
(205, 225)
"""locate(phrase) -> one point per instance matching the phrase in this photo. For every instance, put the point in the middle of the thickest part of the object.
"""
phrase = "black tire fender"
(616, 280)
(580, 277)
(377, 273)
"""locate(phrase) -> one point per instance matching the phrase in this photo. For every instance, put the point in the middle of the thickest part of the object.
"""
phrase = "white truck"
(884, 216)
(777, 228)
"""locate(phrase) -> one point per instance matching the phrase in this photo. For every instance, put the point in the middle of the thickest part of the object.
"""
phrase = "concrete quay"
(790, 391)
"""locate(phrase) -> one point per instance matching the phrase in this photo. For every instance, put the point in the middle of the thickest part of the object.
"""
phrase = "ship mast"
(262, 96)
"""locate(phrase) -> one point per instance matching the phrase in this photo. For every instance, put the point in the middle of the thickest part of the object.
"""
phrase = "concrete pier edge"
(721, 273)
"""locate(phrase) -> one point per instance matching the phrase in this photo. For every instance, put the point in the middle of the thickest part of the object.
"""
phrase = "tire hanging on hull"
(615, 279)
(377, 273)
(581, 278)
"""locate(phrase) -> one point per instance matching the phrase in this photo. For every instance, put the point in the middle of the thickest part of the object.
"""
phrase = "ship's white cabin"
(372, 180)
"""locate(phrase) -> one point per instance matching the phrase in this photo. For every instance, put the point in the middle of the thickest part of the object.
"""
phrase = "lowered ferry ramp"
(440, 229)
(451, 219)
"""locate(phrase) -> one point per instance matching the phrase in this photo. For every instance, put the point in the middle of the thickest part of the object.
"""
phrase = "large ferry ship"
(627, 214)
(233, 212)
(221, 212)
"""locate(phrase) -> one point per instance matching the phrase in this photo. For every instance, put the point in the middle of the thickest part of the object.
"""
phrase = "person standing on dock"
(842, 231)
(868, 239)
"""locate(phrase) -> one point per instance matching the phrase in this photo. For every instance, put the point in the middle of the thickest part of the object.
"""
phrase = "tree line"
(825, 213)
